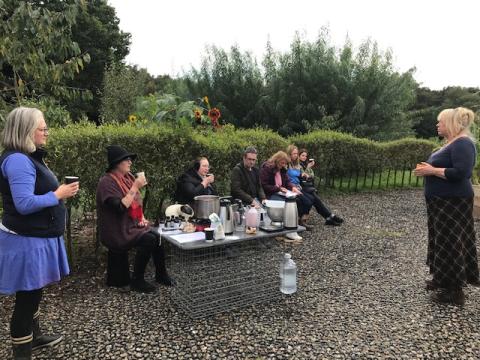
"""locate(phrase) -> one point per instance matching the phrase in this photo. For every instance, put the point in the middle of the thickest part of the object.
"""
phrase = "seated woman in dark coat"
(194, 182)
(122, 225)
(275, 182)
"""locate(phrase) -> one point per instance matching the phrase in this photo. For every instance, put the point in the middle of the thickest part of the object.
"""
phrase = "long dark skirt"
(452, 253)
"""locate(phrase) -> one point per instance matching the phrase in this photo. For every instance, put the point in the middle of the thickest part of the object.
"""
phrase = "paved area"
(361, 296)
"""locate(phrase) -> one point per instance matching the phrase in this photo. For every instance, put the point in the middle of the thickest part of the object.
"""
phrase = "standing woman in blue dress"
(452, 254)
(32, 250)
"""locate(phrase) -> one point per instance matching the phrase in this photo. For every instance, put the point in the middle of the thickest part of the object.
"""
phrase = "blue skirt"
(29, 263)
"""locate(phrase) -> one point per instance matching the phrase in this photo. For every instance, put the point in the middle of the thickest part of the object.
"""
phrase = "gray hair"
(19, 130)
(249, 150)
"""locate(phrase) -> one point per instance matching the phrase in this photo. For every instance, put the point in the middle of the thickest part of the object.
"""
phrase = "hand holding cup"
(210, 178)
(140, 180)
(69, 189)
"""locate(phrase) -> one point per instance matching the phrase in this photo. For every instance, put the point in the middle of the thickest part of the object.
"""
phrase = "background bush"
(164, 152)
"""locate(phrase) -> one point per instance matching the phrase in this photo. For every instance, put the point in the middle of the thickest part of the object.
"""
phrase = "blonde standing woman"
(452, 254)
(32, 251)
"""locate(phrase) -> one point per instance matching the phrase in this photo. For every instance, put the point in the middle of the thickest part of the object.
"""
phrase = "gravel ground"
(361, 296)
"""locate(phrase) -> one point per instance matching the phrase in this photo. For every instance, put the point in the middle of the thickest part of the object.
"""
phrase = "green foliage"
(164, 152)
(429, 103)
(121, 86)
(232, 80)
(312, 86)
(55, 114)
(97, 32)
(37, 53)
(345, 154)
(164, 108)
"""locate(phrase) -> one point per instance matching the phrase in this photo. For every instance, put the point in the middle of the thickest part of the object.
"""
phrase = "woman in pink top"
(274, 180)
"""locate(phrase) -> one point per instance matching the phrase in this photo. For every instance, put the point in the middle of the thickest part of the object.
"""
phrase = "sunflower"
(132, 118)
(198, 115)
(214, 114)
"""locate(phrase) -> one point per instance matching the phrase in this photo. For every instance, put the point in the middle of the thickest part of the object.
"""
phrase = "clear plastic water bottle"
(288, 275)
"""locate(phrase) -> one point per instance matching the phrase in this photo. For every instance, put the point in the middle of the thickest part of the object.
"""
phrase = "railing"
(368, 179)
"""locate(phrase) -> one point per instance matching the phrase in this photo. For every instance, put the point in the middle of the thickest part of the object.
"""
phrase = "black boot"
(161, 274)
(40, 340)
(449, 296)
(138, 281)
(22, 348)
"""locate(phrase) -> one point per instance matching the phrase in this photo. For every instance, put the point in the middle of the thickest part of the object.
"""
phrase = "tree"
(232, 81)
(429, 103)
(37, 52)
(121, 86)
(96, 32)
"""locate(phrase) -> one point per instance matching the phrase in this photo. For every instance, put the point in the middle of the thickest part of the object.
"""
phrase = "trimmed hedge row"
(165, 152)
(343, 153)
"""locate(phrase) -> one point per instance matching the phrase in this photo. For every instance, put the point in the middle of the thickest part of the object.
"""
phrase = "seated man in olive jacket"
(245, 180)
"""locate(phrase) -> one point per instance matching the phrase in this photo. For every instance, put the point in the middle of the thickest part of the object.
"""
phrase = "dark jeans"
(314, 199)
(26, 305)
(118, 273)
(304, 203)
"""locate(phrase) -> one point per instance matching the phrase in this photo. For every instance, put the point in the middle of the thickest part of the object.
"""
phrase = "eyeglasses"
(44, 130)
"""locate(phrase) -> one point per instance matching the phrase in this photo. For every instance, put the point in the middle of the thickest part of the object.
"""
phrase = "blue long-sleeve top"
(20, 172)
(294, 175)
(458, 159)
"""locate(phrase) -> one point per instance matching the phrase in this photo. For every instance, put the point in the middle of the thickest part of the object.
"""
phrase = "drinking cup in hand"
(71, 179)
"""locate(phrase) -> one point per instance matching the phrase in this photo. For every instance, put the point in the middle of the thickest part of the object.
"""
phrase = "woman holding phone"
(307, 183)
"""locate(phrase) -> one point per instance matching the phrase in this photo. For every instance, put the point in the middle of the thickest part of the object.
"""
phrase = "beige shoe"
(293, 236)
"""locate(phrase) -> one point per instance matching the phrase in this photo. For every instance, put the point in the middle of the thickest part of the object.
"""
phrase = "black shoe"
(431, 285)
(337, 219)
(45, 341)
(453, 297)
(22, 351)
(331, 221)
(165, 280)
(475, 283)
(142, 286)
(40, 340)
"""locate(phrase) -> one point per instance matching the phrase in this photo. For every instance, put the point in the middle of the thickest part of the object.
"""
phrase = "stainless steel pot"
(205, 205)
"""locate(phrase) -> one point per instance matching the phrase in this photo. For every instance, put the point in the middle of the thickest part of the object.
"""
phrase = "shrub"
(164, 152)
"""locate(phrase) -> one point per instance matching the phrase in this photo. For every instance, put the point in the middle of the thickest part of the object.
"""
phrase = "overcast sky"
(440, 38)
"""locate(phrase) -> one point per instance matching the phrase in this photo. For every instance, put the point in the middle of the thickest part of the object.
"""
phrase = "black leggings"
(118, 273)
(26, 305)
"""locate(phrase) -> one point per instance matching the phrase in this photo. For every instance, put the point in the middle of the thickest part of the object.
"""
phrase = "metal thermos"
(290, 214)
(226, 215)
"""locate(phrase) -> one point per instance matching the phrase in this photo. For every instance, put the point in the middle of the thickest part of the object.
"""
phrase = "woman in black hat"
(123, 226)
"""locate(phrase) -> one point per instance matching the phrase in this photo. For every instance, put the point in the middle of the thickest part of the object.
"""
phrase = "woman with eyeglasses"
(32, 249)
(122, 225)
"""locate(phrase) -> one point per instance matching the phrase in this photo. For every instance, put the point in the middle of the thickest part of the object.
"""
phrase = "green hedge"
(343, 153)
(165, 152)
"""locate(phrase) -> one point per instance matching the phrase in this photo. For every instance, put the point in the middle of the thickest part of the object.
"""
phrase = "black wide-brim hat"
(116, 154)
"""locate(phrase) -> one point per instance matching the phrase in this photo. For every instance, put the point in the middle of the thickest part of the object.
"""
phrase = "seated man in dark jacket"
(194, 182)
(245, 180)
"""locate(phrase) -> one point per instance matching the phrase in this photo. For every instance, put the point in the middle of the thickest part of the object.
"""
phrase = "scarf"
(135, 211)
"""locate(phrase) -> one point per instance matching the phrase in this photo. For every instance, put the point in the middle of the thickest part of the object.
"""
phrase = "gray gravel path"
(361, 296)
